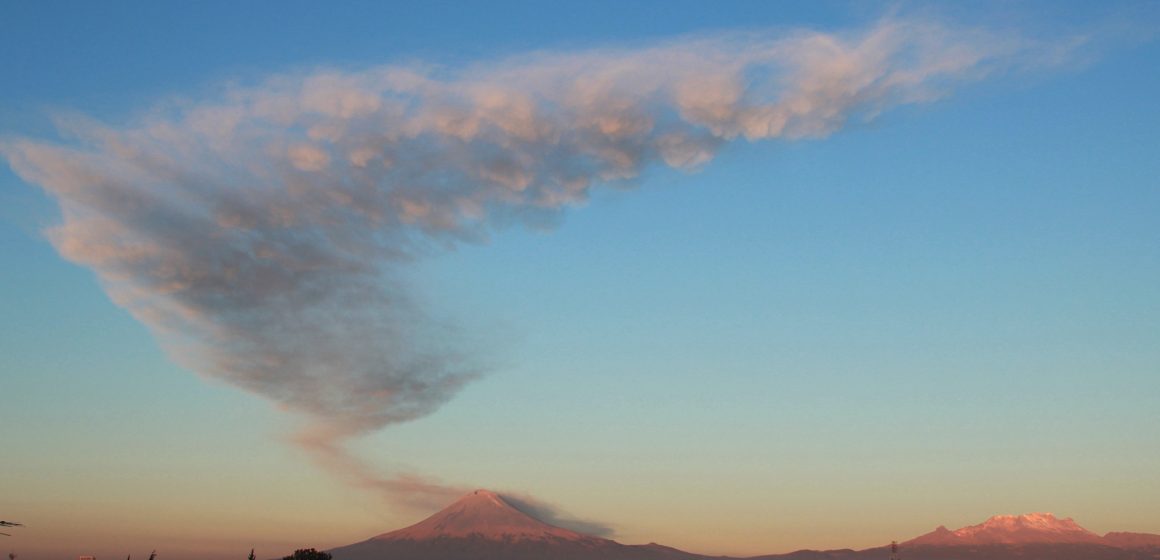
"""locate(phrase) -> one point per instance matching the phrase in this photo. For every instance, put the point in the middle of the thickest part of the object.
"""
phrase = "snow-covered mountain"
(1012, 529)
(485, 514)
(482, 525)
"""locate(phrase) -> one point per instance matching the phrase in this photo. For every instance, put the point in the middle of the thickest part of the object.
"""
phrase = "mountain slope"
(1011, 529)
(1031, 529)
(485, 514)
(484, 526)
(1132, 540)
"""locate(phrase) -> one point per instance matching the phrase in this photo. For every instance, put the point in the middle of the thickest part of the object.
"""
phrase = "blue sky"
(946, 313)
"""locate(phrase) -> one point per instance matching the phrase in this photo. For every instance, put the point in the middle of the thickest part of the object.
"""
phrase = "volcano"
(1012, 529)
(482, 525)
(1031, 528)
(485, 514)
(1032, 536)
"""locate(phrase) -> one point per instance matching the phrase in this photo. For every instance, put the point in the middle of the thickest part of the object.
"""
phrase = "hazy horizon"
(739, 279)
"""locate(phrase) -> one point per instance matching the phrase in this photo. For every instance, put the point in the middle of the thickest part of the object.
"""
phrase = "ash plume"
(553, 515)
(260, 233)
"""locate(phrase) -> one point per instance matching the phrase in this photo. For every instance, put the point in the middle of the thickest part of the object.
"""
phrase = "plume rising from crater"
(263, 233)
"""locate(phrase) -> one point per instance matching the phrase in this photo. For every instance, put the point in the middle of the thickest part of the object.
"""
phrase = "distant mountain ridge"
(1031, 528)
(482, 525)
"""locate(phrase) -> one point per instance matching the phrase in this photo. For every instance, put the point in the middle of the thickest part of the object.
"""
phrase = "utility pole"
(894, 550)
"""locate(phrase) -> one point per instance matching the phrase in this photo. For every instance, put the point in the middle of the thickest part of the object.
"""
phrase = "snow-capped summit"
(1012, 529)
(482, 513)
(483, 525)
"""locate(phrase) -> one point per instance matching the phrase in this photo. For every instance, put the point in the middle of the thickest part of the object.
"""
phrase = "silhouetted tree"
(308, 554)
(251, 557)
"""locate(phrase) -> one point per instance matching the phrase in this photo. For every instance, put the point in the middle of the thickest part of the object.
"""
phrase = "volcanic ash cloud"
(259, 233)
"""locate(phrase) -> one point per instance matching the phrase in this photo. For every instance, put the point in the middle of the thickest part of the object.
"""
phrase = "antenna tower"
(894, 550)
